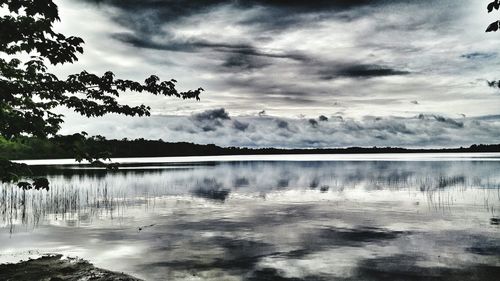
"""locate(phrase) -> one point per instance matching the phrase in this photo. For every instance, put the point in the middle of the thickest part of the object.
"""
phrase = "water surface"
(385, 218)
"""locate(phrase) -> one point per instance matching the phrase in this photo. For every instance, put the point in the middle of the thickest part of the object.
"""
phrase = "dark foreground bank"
(57, 268)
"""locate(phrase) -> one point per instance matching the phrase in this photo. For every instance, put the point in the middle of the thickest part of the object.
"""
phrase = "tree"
(29, 93)
(494, 26)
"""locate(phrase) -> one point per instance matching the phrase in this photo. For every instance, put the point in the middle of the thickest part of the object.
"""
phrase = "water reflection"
(267, 220)
(83, 193)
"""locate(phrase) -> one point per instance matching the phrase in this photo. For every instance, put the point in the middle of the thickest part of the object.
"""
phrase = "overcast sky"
(365, 65)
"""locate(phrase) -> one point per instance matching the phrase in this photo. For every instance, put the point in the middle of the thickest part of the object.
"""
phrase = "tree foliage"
(29, 93)
(494, 26)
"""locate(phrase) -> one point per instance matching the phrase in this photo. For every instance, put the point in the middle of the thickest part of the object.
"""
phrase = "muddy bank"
(57, 268)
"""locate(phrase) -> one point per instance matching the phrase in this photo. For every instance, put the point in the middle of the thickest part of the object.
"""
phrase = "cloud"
(169, 42)
(442, 119)
(294, 57)
(282, 124)
(210, 120)
(243, 62)
(241, 126)
(211, 115)
(171, 10)
(478, 56)
(217, 127)
(360, 71)
(313, 123)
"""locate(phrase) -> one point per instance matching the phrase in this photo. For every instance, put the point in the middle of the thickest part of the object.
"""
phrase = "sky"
(380, 72)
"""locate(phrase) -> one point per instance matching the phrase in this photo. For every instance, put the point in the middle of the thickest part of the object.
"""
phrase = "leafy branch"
(494, 26)
(29, 94)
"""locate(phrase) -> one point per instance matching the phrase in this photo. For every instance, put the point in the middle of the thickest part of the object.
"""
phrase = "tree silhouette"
(494, 26)
(29, 93)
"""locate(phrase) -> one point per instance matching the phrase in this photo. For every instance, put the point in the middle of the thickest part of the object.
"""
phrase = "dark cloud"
(282, 124)
(172, 44)
(249, 50)
(443, 119)
(214, 114)
(143, 41)
(211, 120)
(160, 10)
(169, 10)
(359, 71)
(478, 55)
(243, 62)
(313, 123)
(241, 126)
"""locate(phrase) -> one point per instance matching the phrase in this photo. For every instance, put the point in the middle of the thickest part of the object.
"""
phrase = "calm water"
(425, 219)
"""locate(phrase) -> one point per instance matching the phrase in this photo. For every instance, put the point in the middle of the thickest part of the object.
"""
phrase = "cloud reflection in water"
(268, 220)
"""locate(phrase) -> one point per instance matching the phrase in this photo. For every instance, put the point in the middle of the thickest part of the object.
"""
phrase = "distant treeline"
(64, 146)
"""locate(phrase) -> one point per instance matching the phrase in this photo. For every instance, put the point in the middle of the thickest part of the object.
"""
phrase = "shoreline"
(57, 267)
(446, 156)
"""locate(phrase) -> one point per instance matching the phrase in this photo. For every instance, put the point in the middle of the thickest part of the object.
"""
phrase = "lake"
(289, 217)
